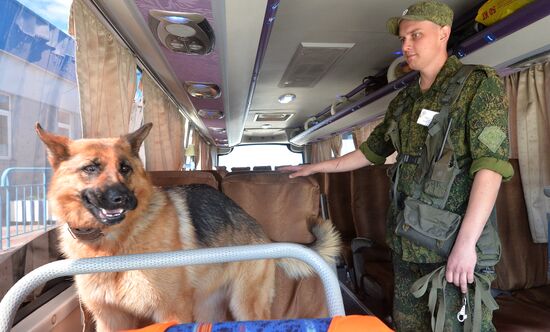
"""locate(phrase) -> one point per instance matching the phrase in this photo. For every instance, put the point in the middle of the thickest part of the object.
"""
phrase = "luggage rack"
(17, 293)
(377, 100)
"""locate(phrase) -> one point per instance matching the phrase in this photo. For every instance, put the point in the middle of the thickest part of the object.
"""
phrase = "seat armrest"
(359, 243)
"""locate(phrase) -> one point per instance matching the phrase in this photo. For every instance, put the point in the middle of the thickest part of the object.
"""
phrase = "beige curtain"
(106, 75)
(336, 145)
(196, 147)
(205, 155)
(164, 145)
(511, 85)
(361, 134)
(529, 93)
(325, 150)
(320, 151)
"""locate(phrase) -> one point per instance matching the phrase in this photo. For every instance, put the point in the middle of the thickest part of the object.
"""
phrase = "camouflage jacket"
(479, 135)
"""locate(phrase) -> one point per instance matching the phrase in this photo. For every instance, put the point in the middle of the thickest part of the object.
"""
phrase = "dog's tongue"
(110, 213)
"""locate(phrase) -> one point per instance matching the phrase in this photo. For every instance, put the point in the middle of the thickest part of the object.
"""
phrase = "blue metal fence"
(23, 205)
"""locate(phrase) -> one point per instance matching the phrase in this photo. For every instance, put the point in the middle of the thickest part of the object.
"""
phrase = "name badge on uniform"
(426, 117)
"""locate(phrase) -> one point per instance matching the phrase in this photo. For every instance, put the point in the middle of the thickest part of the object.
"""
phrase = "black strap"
(454, 88)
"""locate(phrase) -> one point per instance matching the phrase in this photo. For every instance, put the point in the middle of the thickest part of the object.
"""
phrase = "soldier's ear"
(445, 33)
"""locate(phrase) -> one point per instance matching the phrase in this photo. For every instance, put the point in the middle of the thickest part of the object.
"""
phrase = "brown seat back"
(286, 208)
(370, 187)
(337, 188)
(523, 264)
(176, 178)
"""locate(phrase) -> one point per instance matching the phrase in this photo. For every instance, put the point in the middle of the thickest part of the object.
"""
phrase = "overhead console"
(503, 45)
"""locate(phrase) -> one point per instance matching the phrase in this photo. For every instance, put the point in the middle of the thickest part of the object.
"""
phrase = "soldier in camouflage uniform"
(478, 137)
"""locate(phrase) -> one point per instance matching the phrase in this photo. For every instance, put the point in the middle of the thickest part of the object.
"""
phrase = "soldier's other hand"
(461, 265)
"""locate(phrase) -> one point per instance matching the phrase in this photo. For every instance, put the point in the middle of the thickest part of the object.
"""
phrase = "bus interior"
(236, 89)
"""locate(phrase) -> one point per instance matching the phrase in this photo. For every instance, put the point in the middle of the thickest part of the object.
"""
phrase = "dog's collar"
(85, 234)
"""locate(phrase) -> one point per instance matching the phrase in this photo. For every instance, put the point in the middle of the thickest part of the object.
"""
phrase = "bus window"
(260, 155)
(38, 84)
(347, 144)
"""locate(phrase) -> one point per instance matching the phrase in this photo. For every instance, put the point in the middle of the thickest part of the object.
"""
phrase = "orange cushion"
(160, 327)
(356, 323)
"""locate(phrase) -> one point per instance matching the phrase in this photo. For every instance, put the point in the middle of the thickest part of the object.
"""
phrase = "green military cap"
(430, 10)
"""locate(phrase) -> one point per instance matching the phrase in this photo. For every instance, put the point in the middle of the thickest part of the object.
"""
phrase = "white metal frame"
(15, 296)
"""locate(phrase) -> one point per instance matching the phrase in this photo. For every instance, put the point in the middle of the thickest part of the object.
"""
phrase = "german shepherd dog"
(107, 206)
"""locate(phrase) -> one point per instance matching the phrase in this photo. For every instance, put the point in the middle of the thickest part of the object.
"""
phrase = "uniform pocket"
(428, 226)
(443, 174)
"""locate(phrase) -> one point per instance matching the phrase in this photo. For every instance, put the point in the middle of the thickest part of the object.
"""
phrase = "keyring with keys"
(462, 315)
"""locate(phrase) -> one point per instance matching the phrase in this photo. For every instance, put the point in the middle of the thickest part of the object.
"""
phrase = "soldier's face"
(422, 42)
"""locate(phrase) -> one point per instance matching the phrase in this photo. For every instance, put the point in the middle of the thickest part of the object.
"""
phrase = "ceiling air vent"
(188, 33)
(311, 62)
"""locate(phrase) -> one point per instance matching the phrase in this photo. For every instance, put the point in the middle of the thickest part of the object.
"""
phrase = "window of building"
(64, 123)
(5, 127)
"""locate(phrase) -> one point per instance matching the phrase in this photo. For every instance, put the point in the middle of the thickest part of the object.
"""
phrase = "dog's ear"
(136, 138)
(57, 146)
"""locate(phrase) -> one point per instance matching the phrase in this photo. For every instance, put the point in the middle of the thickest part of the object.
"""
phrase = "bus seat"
(240, 169)
(371, 255)
(261, 168)
(286, 208)
(522, 280)
(218, 174)
(176, 178)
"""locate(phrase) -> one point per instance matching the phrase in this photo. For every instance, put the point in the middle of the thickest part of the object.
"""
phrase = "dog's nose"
(119, 196)
(115, 197)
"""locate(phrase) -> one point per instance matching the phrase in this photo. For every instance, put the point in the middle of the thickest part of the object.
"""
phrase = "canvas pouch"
(430, 227)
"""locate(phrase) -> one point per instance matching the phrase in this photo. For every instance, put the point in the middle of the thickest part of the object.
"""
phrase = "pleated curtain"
(164, 145)
(106, 73)
(327, 149)
(529, 96)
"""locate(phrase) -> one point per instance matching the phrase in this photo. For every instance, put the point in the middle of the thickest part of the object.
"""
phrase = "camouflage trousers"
(412, 314)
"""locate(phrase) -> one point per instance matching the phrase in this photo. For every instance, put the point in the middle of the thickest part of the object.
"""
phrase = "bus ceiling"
(266, 76)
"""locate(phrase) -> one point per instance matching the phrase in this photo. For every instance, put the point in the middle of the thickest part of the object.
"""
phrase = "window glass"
(4, 102)
(37, 84)
(347, 143)
(64, 123)
(260, 155)
(56, 12)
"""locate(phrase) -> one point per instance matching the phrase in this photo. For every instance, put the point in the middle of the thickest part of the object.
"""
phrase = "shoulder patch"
(492, 137)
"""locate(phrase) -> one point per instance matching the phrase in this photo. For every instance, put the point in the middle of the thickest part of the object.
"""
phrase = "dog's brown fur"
(85, 173)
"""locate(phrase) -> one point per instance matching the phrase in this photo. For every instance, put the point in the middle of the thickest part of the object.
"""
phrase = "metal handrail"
(5, 184)
(15, 296)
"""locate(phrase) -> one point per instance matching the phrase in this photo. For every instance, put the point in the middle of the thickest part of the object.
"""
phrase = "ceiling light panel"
(203, 90)
(272, 117)
(188, 33)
